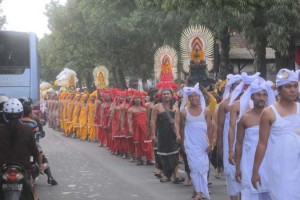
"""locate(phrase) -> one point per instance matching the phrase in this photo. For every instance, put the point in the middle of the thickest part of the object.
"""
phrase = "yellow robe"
(65, 117)
(91, 122)
(69, 126)
(62, 117)
(83, 122)
(74, 119)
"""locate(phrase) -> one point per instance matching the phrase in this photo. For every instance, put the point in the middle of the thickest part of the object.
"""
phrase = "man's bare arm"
(182, 125)
(234, 111)
(122, 115)
(129, 118)
(265, 122)
(153, 121)
(96, 108)
(208, 117)
(239, 148)
(102, 115)
(111, 114)
(220, 127)
(176, 124)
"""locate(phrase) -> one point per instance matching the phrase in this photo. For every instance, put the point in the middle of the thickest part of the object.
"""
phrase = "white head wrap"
(246, 81)
(256, 86)
(187, 91)
(285, 76)
(232, 79)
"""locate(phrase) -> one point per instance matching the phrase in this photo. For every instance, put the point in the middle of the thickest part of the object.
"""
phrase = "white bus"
(19, 68)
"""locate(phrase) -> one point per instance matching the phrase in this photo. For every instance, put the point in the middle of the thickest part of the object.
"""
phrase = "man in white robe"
(279, 141)
(261, 94)
(196, 130)
(223, 116)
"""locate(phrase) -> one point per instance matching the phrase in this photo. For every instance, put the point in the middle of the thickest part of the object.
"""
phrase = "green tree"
(217, 15)
(271, 23)
(2, 17)
(283, 27)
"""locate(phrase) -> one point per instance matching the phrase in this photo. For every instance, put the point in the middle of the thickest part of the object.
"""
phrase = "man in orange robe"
(83, 117)
(91, 117)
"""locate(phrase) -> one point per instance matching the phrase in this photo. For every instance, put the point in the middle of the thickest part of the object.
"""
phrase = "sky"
(26, 16)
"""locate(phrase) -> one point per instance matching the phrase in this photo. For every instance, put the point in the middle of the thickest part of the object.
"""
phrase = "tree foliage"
(124, 34)
(2, 17)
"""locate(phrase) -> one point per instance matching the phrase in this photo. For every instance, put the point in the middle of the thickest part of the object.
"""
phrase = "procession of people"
(255, 136)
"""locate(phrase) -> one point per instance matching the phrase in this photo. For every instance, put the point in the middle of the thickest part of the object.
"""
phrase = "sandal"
(150, 162)
(188, 183)
(164, 179)
(158, 174)
(140, 162)
(178, 180)
(194, 194)
(198, 197)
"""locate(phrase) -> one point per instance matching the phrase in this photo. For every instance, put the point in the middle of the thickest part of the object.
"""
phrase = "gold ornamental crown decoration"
(100, 75)
(196, 43)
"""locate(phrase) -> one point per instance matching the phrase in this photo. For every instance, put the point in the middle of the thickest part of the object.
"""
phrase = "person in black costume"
(165, 120)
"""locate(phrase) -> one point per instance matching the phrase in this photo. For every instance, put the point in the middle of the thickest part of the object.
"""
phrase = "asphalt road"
(85, 171)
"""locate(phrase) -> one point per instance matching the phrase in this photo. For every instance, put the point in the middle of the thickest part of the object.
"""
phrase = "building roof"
(240, 48)
(248, 54)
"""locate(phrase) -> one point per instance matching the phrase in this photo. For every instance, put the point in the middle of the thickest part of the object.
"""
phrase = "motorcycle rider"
(3, 99)
(17, 143)
(38, 133)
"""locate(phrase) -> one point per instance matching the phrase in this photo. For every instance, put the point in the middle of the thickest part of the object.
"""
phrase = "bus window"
(14, 53)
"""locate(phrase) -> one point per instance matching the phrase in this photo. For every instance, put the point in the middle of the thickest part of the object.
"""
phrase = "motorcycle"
(14, 183)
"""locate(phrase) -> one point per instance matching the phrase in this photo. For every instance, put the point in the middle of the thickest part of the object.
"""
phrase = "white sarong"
(233, 187)
(283, 156)
(249, 148)
(196, 143)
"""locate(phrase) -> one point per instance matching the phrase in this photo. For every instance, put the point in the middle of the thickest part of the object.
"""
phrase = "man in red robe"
(137, 123)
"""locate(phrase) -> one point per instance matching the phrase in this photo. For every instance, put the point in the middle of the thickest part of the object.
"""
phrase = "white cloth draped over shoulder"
(249, 148)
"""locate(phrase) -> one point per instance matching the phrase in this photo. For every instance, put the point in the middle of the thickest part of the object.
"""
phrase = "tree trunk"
(145, 84)
(260, 56)
(123, 85)
(224, 68)
(260, 42)
(89, 82)
(115, 77)
(287, 61)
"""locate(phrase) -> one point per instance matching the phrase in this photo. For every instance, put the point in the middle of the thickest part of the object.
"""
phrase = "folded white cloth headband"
(231, 80)
(187, 91)
(256, 86)
(285, 76)
(245, 81)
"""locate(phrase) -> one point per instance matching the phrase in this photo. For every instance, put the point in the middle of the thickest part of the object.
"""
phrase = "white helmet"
(12, 109)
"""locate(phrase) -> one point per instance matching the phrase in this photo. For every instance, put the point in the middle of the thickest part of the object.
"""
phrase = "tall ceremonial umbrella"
(67, 78)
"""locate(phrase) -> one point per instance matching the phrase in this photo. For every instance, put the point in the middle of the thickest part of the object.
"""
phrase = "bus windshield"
(19, 69)
(14, 52)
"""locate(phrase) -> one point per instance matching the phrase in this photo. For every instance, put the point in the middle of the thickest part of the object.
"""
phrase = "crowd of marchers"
(252, 136)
